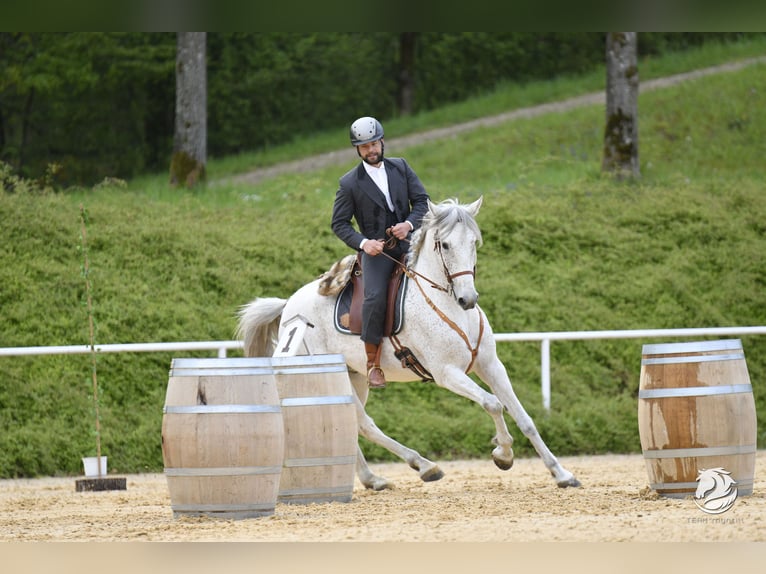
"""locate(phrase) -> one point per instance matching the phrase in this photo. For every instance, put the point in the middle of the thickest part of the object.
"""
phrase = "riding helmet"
(365, 130)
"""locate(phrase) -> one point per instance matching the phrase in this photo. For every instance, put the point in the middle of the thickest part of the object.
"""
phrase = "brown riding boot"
(376, 379)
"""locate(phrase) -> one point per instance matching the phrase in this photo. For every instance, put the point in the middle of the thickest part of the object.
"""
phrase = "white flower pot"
(91, 466)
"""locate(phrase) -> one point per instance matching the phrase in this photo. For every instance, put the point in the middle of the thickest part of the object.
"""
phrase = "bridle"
(447, 274)
(392, 241)
(412, 274)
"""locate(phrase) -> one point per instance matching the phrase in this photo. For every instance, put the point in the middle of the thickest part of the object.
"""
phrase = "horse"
(445, 329)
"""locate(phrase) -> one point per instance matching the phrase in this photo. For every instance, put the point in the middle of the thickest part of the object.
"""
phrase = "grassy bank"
(565, 249)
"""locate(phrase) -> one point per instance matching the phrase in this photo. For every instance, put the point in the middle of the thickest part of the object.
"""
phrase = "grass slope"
(566, 248)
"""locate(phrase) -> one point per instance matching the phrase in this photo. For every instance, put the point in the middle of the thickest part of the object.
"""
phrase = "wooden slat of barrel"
(320, 429)
(222, 437)
(696, 411)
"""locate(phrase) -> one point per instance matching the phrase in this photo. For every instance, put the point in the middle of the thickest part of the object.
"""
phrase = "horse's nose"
(468, 302)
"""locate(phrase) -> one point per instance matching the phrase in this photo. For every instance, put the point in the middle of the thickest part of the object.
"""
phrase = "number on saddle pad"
(292, 337)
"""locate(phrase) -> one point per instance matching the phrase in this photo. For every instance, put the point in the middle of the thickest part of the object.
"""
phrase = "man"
(387, 199)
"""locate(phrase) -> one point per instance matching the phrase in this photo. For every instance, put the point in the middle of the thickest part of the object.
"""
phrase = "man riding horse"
(387, 200)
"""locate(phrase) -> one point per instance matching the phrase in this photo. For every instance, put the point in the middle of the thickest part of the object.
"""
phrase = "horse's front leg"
(455, 380)
(494, 374)
(427, 470)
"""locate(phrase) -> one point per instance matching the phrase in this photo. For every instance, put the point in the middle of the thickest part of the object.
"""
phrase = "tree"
(187, 165)
(621, 131)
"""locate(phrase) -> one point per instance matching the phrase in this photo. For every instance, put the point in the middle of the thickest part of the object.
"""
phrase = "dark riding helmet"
(365, 130)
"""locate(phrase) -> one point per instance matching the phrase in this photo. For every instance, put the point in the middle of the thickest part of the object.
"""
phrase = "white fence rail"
(222, 347)
(546, 338)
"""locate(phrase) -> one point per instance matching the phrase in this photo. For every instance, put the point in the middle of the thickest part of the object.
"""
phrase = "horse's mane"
(442, 217)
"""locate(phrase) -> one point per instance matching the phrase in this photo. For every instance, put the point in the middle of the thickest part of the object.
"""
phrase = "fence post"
(545, 372)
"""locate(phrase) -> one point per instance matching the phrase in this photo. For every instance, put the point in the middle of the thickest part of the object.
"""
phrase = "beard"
(374, 158)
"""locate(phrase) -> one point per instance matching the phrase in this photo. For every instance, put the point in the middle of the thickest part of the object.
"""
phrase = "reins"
(412, 274)
(390, 243)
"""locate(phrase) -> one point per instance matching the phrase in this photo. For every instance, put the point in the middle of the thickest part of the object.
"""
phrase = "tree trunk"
(621, 132)
(26, 122)
(406, 94)
(187, 166)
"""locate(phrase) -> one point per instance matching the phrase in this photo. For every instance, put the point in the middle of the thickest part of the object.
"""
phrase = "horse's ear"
(473, 208)
(431, 207)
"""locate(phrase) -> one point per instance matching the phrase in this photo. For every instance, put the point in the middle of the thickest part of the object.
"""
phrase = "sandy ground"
(474, 502)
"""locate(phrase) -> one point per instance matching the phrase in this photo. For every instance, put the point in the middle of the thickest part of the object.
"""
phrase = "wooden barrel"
(222, 437)
(696, 411)
(320, 429)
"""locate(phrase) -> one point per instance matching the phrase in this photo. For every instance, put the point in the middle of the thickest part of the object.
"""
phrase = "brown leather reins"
(412, 274)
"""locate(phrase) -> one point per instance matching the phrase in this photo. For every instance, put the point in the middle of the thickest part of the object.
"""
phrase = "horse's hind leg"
(427, 470)
(366, 476)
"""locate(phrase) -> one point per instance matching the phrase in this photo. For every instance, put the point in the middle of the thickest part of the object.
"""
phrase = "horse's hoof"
(569, 482)
(377, 484)
(502, 462)
(432, 474)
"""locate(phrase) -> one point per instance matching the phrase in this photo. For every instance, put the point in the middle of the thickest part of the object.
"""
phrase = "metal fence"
(222, 347)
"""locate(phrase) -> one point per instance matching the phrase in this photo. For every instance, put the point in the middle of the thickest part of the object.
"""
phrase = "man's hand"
(400, 230)
(373, 247)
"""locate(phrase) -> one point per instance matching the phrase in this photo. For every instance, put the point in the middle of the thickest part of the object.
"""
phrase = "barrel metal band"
(693, 485)
(310, 369)
(702, 451)
(203, 362)
(224, 471)
(221, 507)
(220, 409)
(321, 461)
(314, 401)
(692, 347)
(345, 489)
(694, 391)
(308, 361)
(694, 359)
(221, 372)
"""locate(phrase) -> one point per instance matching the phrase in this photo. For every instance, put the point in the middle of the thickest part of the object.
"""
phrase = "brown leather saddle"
(348, 305)
(348, 313)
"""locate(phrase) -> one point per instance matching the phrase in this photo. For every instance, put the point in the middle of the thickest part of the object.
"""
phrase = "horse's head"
(451, 229)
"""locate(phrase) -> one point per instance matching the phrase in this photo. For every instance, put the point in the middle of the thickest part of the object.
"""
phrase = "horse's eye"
(445, 246)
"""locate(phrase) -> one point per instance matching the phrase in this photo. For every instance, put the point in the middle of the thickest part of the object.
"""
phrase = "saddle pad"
(343, 308)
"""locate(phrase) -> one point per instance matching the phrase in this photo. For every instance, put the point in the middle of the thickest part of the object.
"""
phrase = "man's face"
(371, 153)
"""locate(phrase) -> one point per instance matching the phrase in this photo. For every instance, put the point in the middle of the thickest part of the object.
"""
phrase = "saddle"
(348, 311)
(348, 305)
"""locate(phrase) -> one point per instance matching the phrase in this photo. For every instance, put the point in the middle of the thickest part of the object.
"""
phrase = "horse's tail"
(259, 325)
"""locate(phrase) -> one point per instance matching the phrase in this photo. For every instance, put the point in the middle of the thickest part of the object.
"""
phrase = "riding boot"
(376, 379)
